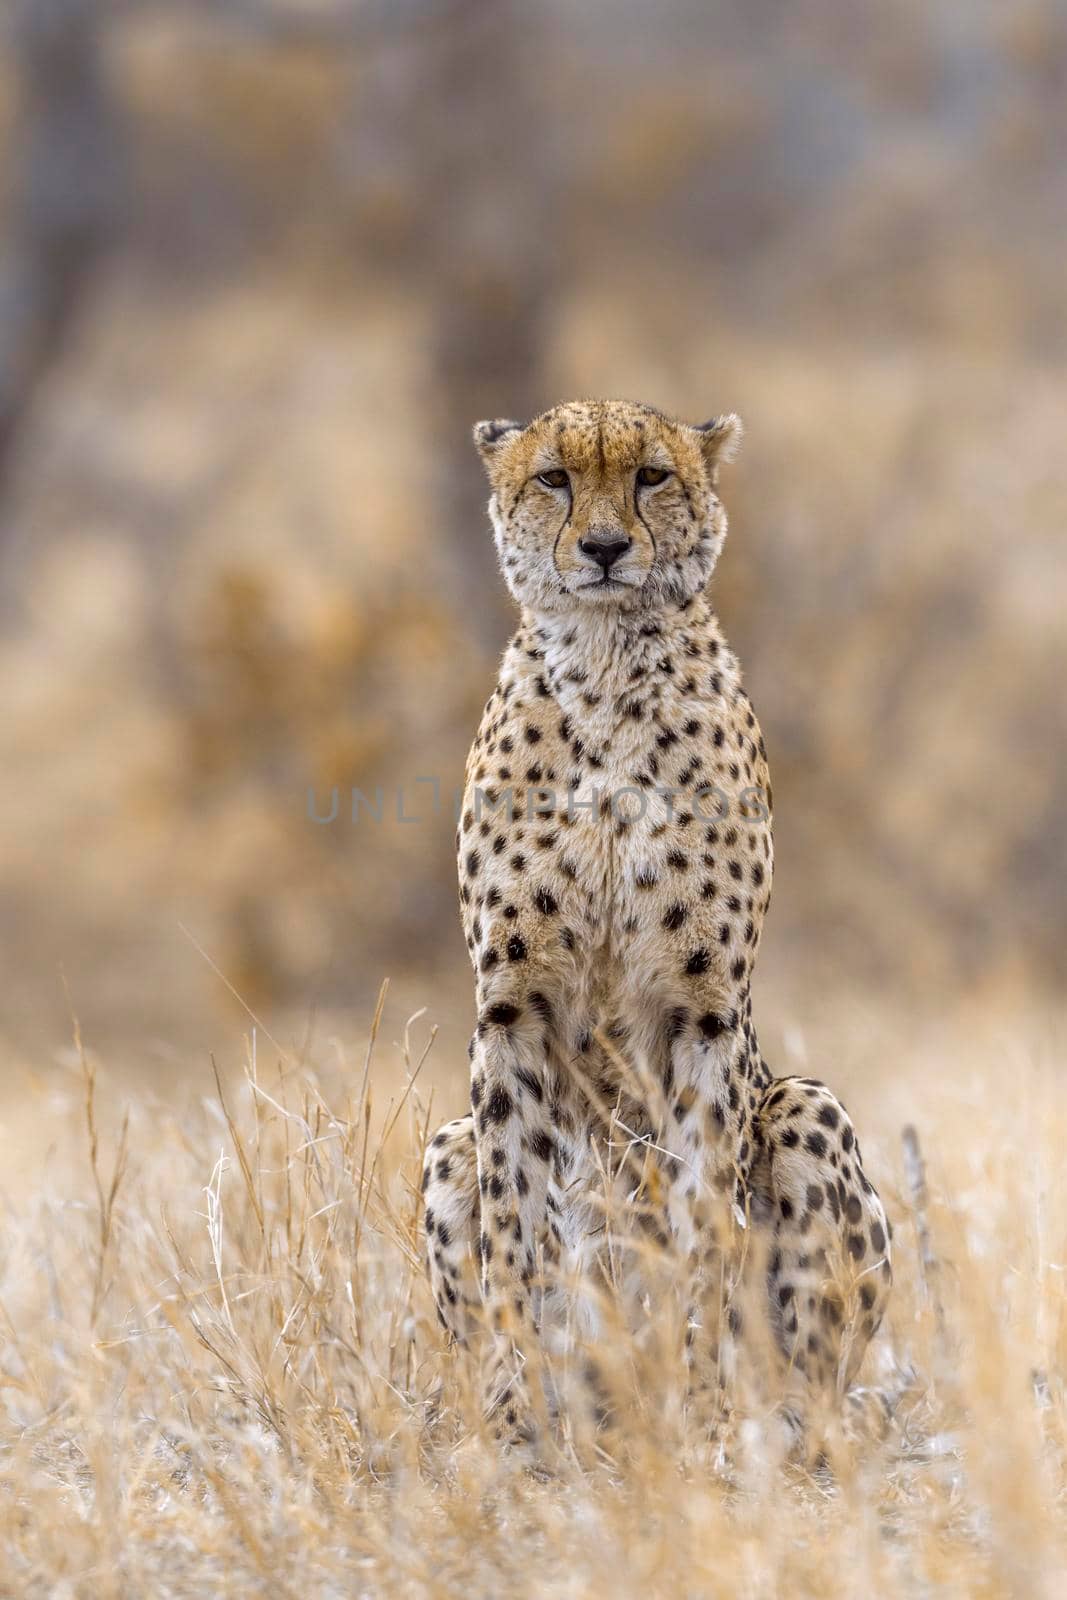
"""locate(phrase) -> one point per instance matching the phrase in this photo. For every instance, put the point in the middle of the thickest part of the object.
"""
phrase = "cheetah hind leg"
(453, 1250)
(828, 1247)
(450, 1192)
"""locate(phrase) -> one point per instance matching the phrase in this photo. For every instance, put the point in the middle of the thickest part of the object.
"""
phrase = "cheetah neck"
(604, 646)
(601, 664)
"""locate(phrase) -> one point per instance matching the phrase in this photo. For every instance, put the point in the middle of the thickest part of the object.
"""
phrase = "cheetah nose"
(605, 548)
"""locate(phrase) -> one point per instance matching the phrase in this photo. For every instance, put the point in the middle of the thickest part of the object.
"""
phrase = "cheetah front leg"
(514, 1147)
(701, 1124)
(828, 1271)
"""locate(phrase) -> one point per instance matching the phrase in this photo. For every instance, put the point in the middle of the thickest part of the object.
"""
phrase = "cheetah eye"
(648, 476)
(554, 478)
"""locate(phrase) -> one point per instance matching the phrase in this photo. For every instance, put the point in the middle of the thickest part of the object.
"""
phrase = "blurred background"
(263, 263)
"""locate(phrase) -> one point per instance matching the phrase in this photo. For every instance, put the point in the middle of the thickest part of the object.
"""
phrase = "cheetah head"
(604, 503)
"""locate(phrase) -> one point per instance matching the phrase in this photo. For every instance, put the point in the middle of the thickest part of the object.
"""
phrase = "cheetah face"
(604, 503)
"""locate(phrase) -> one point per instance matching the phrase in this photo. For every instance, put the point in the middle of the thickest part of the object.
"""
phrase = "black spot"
(542, 1005)
(829, 1117)
(498, 1107)
(516, 948)
(530, 1083)
(675, 916)
(816, 1144)
(711, 1026)
(677, 1022)
(542, 1146)
(545, 902)
(830, 1310)
(698, 962)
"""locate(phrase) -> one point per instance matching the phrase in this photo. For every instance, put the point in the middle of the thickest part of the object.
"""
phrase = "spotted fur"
(615, 861)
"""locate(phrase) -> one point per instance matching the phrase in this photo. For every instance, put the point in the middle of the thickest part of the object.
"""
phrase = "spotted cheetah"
(615, 861)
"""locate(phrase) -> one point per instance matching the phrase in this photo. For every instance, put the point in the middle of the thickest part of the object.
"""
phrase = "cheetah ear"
(720, 439)
(489, 436)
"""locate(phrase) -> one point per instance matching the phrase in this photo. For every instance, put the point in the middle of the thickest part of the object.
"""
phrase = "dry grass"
(222, 1372)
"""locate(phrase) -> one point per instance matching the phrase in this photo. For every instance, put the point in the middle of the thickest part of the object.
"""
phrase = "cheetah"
(615, 857)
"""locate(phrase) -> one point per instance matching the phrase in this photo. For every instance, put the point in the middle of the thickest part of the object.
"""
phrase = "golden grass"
(222, 1372)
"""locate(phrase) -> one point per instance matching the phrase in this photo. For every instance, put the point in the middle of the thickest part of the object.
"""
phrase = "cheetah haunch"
(615, 869)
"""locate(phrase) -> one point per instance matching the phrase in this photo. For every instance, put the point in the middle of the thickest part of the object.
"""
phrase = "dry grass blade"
(919, 1196)
(106, 1195)
(238, 1145)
